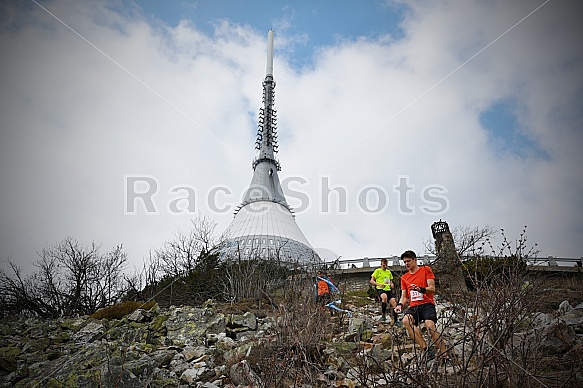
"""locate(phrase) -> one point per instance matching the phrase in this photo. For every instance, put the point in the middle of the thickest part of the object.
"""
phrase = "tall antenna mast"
(266, 142)
(269, 71)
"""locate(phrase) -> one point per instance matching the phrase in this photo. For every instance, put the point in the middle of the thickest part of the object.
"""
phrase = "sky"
(122, 121)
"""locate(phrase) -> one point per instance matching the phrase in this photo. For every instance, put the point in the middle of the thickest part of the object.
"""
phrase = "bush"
(191, 289)
(372, 292)
(70, 279)
(120, 310)
(293, 355)
(485, 268)
(254, 278)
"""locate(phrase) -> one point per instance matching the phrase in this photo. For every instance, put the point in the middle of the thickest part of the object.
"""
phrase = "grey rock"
(565, 307)
(74, 324)
(178, 366)
(238, 333)
(89, 333)
(358, 329)
(142, 367)
(541, 320)
(208, 384)
(242, 374)
(138, 315)
(247, 320)
(115, 376)
(163, 357)
(558, 339)
(192, 352)
(8, 357)
(379, 355)
(189, 325)
(575, 321)
(225, 343)
(191, 375)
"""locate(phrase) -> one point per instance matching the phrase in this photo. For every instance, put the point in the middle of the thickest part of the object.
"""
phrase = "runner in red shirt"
(417, 289)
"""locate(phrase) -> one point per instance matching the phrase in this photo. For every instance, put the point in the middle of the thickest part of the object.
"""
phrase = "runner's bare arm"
(403, 301)
(430, 286)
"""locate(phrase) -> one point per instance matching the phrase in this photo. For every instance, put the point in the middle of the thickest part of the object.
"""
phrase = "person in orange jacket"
(324, 296)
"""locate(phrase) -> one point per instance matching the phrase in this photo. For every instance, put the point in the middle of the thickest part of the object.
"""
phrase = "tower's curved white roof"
(266, 218)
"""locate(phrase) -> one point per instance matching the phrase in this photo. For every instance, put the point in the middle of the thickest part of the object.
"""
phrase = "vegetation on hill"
(493, 331)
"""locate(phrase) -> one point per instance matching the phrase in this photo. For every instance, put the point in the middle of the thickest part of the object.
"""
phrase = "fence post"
(552, 261)
(365, 262)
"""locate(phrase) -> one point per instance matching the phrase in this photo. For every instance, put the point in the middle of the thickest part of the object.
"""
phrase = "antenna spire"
(269, 53)
(265, 165)
(266, 142)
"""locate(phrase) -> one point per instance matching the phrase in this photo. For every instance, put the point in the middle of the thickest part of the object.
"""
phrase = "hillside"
(295, 345)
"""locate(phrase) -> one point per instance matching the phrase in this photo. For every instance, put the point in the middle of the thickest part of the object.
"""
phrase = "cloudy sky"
(391, 116)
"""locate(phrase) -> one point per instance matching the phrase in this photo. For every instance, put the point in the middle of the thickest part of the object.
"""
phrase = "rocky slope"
(209, 347)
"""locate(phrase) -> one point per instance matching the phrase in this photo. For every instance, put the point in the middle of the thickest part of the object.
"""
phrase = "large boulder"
(190, 326)
(242, 374)
(247, 320)
(557, 339)
(93, 330)
(8, 358)
(359, 329)
(565, 307)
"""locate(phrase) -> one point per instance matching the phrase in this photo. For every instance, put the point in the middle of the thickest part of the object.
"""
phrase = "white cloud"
(184, 110)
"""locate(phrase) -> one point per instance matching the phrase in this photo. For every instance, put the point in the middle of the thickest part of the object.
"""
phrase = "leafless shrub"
(254, 278)
(486, 346)
(466, 239)
(490, 332)
(184, 252)
(184, 270)
(293, 355)
(71, 279)
(19, 294)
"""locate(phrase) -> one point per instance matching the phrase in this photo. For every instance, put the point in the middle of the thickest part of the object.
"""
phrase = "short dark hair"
(384, 260)
(409, 255)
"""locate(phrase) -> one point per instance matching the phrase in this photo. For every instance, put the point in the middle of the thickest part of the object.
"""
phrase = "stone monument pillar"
(448, 265)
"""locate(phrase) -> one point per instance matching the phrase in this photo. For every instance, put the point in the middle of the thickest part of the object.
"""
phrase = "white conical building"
(264, 225)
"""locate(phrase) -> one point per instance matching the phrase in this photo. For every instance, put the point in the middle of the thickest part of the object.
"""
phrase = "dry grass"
(118, 311)
(557, 289)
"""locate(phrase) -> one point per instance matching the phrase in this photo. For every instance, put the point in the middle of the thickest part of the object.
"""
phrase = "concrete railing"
(369, 262)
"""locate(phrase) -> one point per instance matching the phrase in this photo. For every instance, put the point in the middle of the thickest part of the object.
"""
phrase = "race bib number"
(416, 296)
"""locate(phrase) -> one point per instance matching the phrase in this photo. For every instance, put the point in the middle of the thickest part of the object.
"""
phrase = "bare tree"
(491, 332)
(183, 270)
(183, 252)
(142, 283)
(112, 267)
(71, 279)
(251, 278)
(20, 295)
(465, 238)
